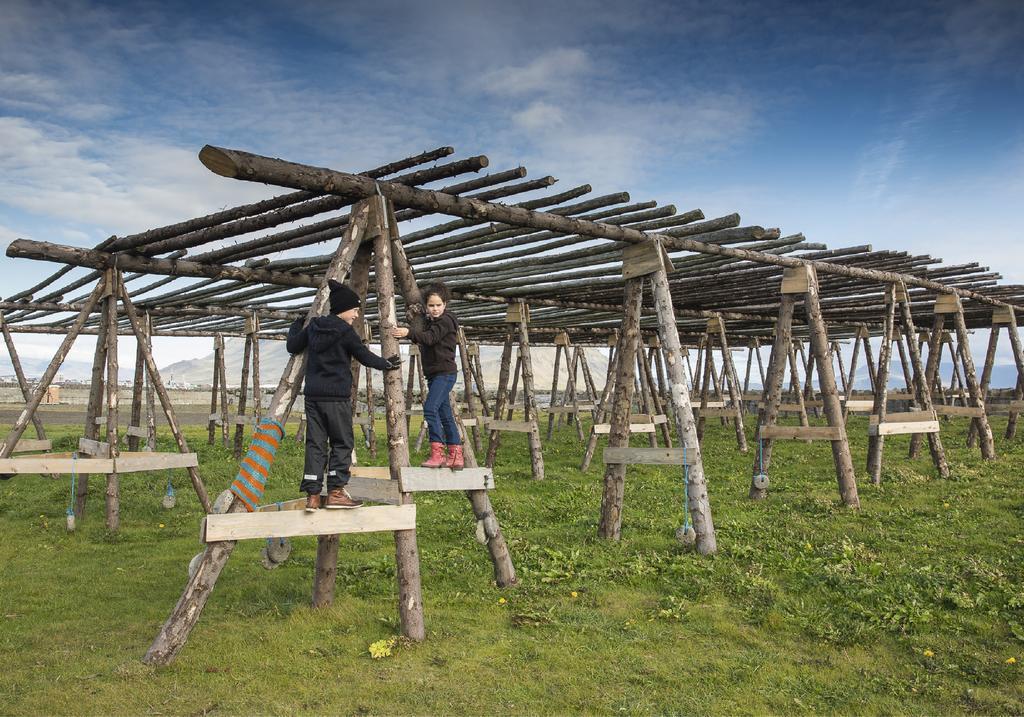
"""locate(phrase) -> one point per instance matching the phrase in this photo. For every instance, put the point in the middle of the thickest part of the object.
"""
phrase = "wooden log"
(243, 391)
(20, 375)
(113, 499)
(606, 428)
(610, 525)
(138, 382)
(921, 382)
(410, 597)
(93, 409)
(964, 411)
(529, 399)
(256, 168)
(26, 445)
(36, 398)
(733, 383)
(986, 378)
(183, 617)
(559, 348)
(902, 417)
(769, 414)
(165, 400)
(647, 456)
(416, 480)
(291, 523)
(894, 428)
(500, 399)
(1018, 359)
(876, 440)
(988, 451)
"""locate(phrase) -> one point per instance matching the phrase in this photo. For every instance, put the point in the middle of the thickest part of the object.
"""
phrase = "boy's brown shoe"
(312, 502)
(338, 498)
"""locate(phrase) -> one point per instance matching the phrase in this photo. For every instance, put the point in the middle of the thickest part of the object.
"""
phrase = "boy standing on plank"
(330, 342)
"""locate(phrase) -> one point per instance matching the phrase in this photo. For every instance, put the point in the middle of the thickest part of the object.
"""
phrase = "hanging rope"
(686, 492)
(74, 489)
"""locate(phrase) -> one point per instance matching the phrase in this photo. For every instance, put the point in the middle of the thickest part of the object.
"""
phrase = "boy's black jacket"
(437, 342)
(329, 344)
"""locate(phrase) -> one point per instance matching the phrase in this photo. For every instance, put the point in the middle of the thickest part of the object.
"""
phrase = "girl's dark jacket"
(437, 340)
(330, 343)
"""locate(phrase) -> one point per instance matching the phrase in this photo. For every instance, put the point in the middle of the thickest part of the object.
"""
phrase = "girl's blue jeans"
(437, 410)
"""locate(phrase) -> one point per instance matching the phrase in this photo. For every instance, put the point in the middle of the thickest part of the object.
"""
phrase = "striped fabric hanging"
(252, 476)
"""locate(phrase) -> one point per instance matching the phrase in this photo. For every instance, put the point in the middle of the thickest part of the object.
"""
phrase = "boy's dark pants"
(329, 444)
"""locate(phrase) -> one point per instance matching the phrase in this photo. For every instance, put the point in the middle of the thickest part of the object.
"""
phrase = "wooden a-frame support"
(883, 423)
(109, 288)
(803, 281)
(1001, 317)
(733, 411)
(370, 218)
(648, 260)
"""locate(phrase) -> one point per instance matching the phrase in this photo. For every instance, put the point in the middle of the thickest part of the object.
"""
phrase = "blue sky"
(895, 124)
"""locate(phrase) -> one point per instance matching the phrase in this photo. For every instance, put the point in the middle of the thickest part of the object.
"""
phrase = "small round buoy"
(265, 560)
(168, 501)
(193, 565)
(481, 533)
(760, 481)
(71, 522)
(278, 549)
(686, 535)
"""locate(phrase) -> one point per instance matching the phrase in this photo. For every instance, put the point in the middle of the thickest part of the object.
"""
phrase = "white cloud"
(551, 72)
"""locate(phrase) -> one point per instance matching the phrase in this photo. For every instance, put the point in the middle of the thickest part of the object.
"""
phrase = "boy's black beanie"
(342, 298)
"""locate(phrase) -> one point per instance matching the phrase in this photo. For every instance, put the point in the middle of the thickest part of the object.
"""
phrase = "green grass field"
(912, 605)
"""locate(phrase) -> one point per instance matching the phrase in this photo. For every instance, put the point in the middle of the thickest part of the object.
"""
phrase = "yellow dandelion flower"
(928, 653)
(574, 594)
(502, 601)
(1011, 661)
(161, 525)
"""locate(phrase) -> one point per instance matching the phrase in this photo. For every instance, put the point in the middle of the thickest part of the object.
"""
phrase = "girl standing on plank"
(437, 340)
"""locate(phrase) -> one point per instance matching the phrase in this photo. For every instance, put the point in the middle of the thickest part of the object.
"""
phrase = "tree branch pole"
(407, 560)
(20, 374)
(255, 168)
(186, 612)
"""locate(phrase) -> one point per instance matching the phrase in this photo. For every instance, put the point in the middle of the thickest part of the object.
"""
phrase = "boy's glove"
(393, 363)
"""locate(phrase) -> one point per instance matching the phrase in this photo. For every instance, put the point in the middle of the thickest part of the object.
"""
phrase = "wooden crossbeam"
(138, 431)
(606, 428)
(124, 463)
(32, 444)
(415, 480)
(970, 411)
(860, 405)
(903, 428)
(808, 433)
(904, 417)
(292, 523)
(511, 426)
(648, 456)
(715, 412)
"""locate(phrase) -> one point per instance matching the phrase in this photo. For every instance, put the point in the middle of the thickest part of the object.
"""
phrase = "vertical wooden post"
(1018, 359)
(478, 373)
(643, 390)
(410, 597)
(922, 385)
(606, 393)
(829, 395)
(186, 612)
(554, 388)
(137, 386)
(499, 399)
(733, 383)
(20, 374)
(986, 378)
(257, 391)
(529, 399)
(794, 373)
(852, 380)
(113, 488)
(876, 442)
(94, 409)
(988, 449)
(768, 415)
(696, 488)
(147, 333)
(243, 391)
(467, 386)
(211, 426)
(610, 525)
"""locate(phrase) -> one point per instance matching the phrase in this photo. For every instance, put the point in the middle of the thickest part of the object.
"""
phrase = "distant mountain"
(273, 358)
(34, 368)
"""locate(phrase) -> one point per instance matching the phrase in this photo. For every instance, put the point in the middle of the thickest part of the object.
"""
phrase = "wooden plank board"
(375, 472)
(904, 417)
(374, 489)
(513, 426)
(712, 404)
(361, 421)
(644, 258)
(135, 462)
(1017, 405)
(648, 456)
(896, 429)
(138, 431)
(947, 304)
(795, 280)
(1001, 315)
(716, 412)
(90, 447)
(291, 523)
(900, 396)
(812, 433)
(32, 444)
(860, 405)
(606, 428)
(562, 409)
(53, 464)
(468, 422)
(417, 480)
(970, 411)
